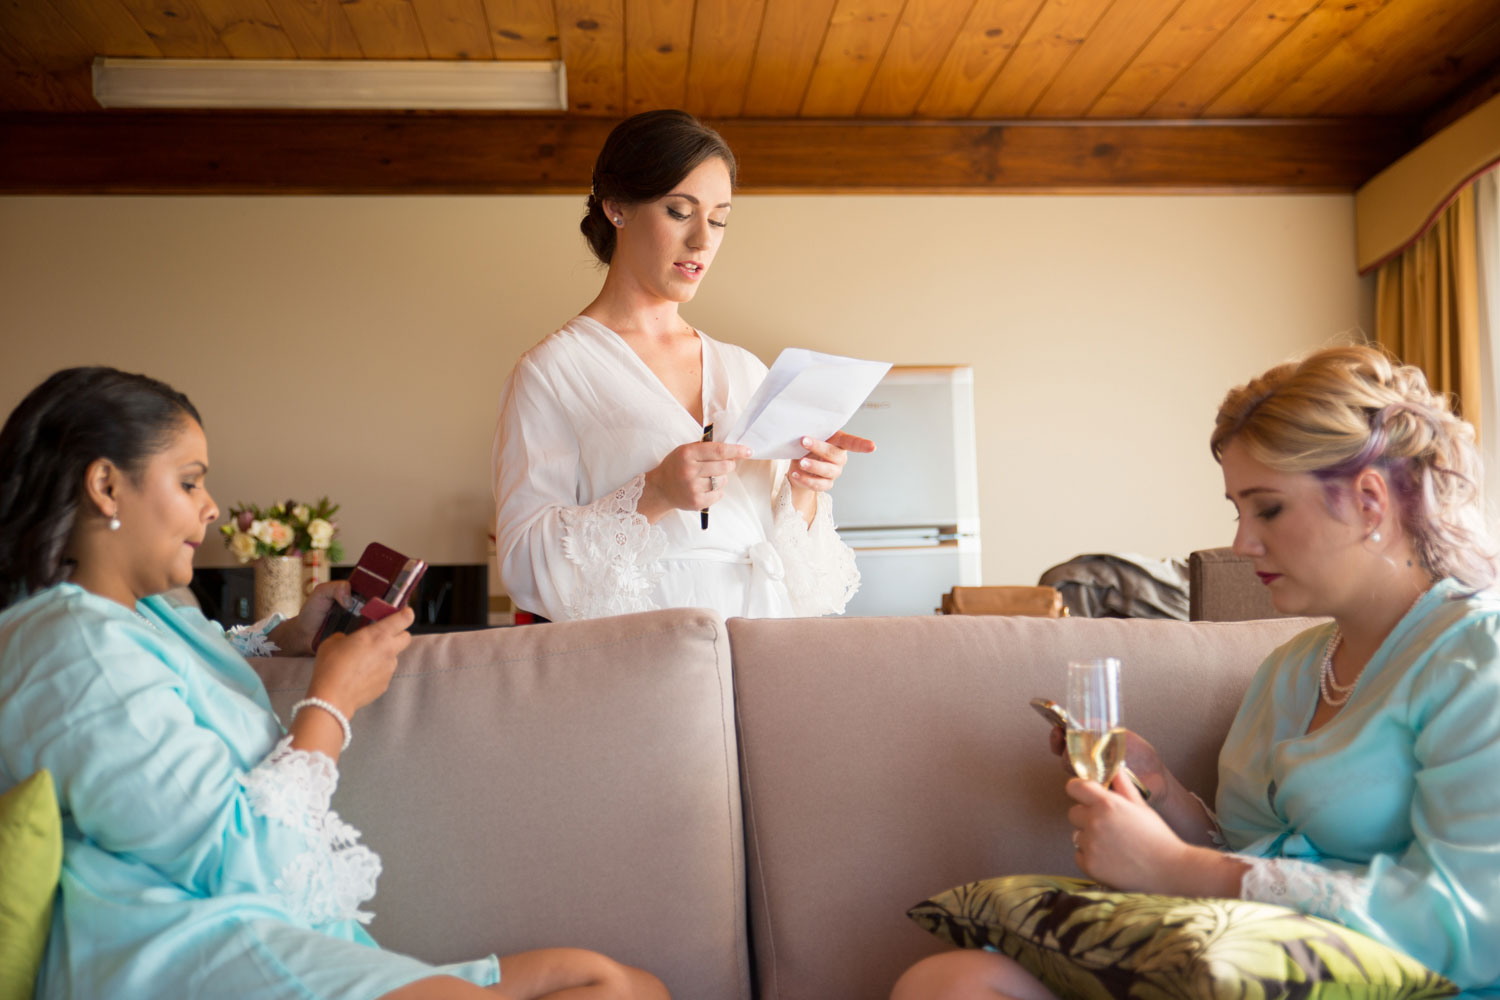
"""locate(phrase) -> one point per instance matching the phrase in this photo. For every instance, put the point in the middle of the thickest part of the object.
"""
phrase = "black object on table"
(452, 598)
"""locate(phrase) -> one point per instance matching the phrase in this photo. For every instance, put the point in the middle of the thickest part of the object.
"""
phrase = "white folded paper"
(805, 394)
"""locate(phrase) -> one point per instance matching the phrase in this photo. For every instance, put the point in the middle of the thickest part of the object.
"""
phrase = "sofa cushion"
(567, 784)
(885, 759)
(30, 862)
(1223, 587)
(1086, 942)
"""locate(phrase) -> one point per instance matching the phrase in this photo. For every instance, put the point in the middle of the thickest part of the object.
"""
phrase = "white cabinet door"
(912, 581)
(923, 469)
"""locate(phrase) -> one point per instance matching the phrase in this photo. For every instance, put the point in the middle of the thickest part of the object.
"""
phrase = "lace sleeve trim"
(335, 874)
(253, 640)
(1303, 886)
(617, 552)
(820, 571)
(1215, 831)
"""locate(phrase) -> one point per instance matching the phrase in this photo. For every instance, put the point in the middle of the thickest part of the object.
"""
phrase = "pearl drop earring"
(114, 524)
(1375, 535)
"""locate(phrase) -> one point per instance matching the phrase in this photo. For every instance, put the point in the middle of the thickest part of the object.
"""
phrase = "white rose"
(243, 546)
(301, 512)
(321, 533)
(261, 531)
(279, 535)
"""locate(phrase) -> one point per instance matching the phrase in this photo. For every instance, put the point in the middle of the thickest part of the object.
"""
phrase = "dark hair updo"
(645, 157)
(77, 416)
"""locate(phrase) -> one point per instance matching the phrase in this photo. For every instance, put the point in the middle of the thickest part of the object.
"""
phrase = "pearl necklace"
(1332, 691)
(1326, 684)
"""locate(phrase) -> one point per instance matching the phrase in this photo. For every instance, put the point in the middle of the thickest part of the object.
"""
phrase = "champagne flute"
(1096, 741)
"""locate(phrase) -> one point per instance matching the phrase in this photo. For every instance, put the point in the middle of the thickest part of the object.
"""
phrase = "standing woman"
(600, 466)
(1357, 782)
(200, 856)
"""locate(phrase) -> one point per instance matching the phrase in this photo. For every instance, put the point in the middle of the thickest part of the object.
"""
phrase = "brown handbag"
(1041, 602)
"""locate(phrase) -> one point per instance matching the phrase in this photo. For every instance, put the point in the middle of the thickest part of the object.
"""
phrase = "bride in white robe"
(600, 469)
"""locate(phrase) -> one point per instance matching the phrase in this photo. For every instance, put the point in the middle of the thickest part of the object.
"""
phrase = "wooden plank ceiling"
(930, 94)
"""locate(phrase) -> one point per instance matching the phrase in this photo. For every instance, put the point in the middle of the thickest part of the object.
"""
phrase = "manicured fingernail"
(806, 463)
(796, 475)
(807, 442)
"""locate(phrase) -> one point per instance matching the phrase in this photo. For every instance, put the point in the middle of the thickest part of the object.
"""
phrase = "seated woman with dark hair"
(1357, 782)
(201, 858)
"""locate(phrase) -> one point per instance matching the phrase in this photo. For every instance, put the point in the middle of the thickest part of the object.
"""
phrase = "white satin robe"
(582, 419)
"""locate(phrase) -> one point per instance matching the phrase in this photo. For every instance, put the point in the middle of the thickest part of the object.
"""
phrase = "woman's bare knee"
(438, 988)
(536, 974)
(642, 985)
(968, 974)
(618, 981)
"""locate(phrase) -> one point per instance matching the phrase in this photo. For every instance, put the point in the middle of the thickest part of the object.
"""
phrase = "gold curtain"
(1427, 305)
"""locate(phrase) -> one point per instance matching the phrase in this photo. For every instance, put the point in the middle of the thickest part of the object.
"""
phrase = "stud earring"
(619, 222)
(114, 524)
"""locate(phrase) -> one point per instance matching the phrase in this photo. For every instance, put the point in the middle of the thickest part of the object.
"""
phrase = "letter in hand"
(824, 461)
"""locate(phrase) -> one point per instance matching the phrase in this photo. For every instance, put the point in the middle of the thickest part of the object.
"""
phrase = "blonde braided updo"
(1344, 409)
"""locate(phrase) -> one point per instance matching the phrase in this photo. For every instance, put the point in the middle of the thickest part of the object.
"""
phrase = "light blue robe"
(169, 877)
(1399, 793)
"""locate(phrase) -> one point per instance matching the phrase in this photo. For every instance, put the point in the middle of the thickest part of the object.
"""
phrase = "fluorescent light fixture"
(331, 83)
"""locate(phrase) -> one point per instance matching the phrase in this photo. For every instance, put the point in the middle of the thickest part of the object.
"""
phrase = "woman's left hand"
(824, 461)
(1119, 840)
(295, 635)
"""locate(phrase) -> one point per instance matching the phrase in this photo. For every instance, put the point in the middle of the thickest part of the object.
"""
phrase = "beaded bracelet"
(326, 706)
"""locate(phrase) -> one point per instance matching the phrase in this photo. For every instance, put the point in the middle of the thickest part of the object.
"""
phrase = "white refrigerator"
(910, 511)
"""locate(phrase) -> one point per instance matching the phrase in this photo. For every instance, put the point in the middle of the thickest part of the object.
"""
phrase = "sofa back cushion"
(887, 759)
(568, 784)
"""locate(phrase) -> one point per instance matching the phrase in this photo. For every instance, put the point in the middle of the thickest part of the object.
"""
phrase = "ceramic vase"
(278, 586)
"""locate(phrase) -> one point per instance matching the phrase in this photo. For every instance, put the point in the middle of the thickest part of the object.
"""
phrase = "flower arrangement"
(285, 529)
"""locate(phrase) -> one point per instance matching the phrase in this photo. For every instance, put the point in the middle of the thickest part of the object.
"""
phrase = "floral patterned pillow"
(1087, 943)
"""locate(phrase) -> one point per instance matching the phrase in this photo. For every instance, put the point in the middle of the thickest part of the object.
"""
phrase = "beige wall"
(355, 346)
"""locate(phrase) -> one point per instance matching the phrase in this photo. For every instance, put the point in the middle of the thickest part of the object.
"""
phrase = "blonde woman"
(1357, 782)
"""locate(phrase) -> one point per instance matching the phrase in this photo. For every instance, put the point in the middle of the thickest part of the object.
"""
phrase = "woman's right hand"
(681, 481)
(1140, 756)
(353, 670)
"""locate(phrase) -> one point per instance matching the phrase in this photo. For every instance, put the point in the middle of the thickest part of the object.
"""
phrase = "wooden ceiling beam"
(202, 153)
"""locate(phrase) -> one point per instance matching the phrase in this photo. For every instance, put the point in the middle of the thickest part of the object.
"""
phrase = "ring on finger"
(1076, 845)
(713, 483)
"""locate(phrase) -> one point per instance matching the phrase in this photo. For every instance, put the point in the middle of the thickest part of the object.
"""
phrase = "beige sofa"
(745, 809)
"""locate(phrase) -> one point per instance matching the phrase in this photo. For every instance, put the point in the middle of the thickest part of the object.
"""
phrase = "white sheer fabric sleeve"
(557, 557)
(1215, 831)
(617, 552)
(820, 571)
(254, 640)
(1304, 886)
(329, 880)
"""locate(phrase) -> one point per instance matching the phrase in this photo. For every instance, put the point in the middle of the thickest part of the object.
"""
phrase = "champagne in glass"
(1096, 741)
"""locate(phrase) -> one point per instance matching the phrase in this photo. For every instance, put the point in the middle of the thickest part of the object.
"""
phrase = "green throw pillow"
(1087, 943)
(30, 862)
